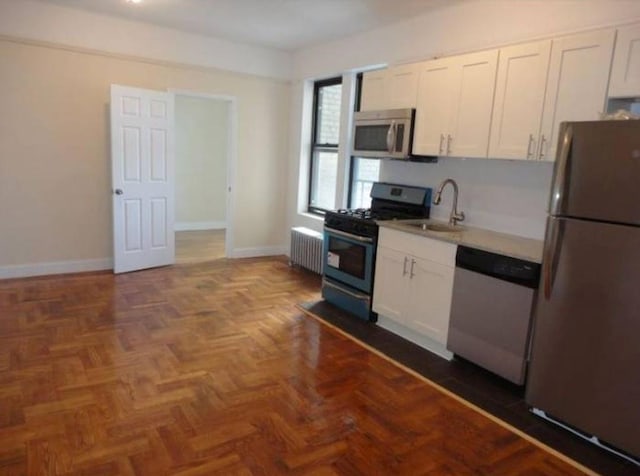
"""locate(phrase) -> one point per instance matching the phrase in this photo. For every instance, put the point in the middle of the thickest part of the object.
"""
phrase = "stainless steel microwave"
(383, 134)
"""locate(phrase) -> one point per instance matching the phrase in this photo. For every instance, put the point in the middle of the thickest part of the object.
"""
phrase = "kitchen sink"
(438, 227)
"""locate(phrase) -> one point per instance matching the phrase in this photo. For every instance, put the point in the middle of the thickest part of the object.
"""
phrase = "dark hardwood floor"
(212, 369)
(476, 385)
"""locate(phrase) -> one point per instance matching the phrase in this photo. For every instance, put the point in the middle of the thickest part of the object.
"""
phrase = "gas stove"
(350, 239)
(389, 202)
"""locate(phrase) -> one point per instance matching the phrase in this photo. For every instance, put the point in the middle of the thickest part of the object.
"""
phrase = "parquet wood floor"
(210, 369)
(198, 246)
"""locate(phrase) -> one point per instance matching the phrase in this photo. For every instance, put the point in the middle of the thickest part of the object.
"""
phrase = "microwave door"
(381, 138)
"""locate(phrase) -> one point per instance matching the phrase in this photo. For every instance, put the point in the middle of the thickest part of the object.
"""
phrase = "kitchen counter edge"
(479, 238)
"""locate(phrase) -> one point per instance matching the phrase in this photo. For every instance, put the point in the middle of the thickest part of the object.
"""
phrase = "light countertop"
(479, 238)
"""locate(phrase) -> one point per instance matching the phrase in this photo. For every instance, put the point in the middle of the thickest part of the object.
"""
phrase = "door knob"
(118, 191)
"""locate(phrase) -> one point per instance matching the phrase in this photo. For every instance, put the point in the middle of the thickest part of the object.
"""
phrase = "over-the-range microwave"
(383, 134)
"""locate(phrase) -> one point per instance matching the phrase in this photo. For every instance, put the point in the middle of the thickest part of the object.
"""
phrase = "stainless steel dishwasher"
(491, 311)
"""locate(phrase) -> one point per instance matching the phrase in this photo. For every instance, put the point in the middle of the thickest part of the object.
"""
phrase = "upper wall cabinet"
(455, 100)
(576, 85)
(544, 83)
(392, 88)
(625, 75)
(517, 110)
(373, 95)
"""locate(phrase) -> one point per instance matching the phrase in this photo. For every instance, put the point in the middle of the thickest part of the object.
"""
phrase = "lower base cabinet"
(414, 282)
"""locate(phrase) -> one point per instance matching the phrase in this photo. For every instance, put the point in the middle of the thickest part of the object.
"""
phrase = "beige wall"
(55, 202)
(202, 129)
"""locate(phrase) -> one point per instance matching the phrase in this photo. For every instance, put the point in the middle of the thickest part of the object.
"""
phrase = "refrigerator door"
(585, 357)
(597, 171)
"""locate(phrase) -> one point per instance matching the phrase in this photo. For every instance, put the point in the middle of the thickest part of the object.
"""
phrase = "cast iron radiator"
(306, 249)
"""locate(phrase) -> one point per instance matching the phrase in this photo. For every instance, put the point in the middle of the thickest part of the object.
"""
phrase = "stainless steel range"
(350, 239)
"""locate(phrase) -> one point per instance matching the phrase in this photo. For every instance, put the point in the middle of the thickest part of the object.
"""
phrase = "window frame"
(352, 159)
(316, 147)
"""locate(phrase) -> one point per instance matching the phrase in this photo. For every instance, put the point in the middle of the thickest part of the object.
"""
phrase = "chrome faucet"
(455, 215)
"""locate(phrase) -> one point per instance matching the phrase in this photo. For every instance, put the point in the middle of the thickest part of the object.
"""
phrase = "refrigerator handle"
(557, 192)
(550, 255)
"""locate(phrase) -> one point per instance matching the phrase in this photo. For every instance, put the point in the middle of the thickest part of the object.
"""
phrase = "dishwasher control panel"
(514, 270)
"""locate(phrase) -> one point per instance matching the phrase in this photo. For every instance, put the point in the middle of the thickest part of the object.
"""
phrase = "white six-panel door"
(142, 156)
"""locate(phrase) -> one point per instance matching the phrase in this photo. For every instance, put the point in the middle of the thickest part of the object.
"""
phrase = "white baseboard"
(256, 252)
(199, 225)
(59, 267)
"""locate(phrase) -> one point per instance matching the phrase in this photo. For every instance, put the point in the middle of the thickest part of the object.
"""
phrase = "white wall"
(508, 196)
(60, 25)
(202, 131)
(55, 173)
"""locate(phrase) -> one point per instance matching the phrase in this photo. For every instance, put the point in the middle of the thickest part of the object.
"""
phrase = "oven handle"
(362, 239)
(361, 297)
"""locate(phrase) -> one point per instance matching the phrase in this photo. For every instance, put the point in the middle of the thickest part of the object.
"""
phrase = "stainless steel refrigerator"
(584, 369)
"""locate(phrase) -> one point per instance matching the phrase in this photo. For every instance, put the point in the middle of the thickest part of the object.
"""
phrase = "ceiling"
(283, 24)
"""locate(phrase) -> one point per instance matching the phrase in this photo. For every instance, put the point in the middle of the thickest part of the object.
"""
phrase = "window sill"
(312, 216)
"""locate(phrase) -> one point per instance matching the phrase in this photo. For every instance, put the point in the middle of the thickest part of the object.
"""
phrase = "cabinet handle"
(440, 147)
(404, 266)
(529, 153)
(411, 273)
(449, 140)
(543, 142)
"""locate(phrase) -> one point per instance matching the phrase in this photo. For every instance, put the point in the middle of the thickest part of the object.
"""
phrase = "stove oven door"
(348, 258)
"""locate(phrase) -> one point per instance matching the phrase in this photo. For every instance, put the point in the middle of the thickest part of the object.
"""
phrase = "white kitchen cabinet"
(544, 83)
(402, 86)
(373, 95)
(392, 88)
(414, 283)
(454, 104)
(576, 85)
(519, 99)
(433, 108)
(625, 73)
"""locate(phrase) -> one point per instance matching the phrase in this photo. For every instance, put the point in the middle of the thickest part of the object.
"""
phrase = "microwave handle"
(391, 137)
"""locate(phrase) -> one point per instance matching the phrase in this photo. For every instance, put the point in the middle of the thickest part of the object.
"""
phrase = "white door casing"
(143, 163)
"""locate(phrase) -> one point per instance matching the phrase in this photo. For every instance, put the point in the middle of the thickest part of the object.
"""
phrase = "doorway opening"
(205, 152)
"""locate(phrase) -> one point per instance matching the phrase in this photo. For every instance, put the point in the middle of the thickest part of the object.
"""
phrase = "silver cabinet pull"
(441, 145)
(543, 143)
(449, 140)
(529, 153)
(404, 266)
(411, 273)
(118, 191)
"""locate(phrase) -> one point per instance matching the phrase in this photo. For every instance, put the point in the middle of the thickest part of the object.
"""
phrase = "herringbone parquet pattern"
(210, 369)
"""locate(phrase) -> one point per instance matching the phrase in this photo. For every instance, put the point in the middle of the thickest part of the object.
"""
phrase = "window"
(327, 98)
(364, 172)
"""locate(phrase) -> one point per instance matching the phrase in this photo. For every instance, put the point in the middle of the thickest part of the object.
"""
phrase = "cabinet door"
(390, 286)
(625, 74)
(577, 84)
(517, 109)
(433, 107)
(472, 103)
(374, 91)
(402, 86)
(429, 301)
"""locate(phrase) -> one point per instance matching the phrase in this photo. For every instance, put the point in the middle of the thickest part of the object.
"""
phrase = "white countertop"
(479, 238)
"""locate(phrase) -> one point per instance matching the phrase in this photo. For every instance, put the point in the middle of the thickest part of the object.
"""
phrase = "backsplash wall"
(504, 195)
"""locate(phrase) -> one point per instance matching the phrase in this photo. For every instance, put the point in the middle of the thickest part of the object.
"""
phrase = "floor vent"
(306, 249)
